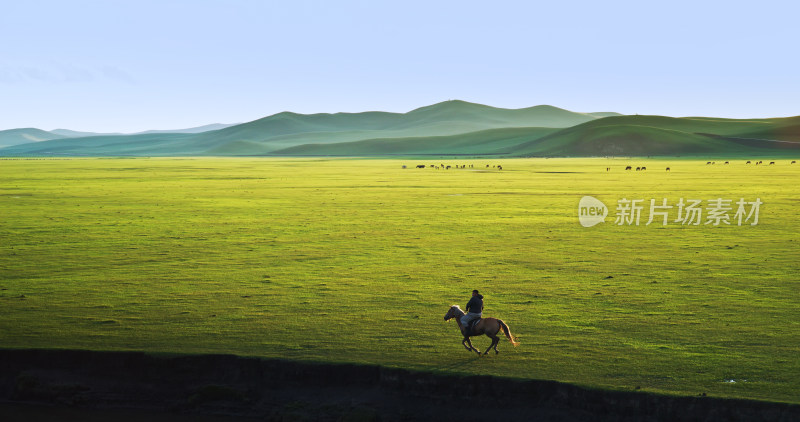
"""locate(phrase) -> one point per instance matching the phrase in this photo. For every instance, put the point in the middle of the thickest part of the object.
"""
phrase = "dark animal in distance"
(771, 162)
(420, 166)
(667, 168)
(747, 162)
(793, 162)
(628, 168)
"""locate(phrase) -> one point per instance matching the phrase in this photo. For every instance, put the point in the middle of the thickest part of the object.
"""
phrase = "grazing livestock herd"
(499, 167)
(710, 163)
(456, 166)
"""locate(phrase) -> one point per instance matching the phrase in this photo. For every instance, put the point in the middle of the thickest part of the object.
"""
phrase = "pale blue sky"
(136, 65)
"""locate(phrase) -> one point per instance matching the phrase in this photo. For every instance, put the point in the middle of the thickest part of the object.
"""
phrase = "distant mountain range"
(27, 135)
(74, 134)
(447, 128)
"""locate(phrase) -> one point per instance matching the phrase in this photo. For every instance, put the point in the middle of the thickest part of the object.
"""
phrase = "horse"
(488, 326)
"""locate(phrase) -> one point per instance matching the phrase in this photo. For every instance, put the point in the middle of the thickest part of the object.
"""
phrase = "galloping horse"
(488, 326)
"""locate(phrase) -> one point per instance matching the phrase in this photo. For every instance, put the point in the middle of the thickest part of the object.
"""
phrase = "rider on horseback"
(474, 311)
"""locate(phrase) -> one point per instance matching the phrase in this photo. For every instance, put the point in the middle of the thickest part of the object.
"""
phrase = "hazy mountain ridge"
(451, 127)
(20, 136)
(610, 136)
(489, 141)
(651, 135)
(289, 129)
(78, 134)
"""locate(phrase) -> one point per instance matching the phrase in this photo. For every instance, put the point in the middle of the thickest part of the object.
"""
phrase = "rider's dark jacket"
(475, 304)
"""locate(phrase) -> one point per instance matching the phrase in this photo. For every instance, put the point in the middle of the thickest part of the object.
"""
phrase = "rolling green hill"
(284, 130)
(689, 124)
(491, 141)
(447, 118)
(659, 135)
(113, 145)
(24, 136)
(447, 128)
(620, 140)
(613, 135)
(783, 129)
(473, 115)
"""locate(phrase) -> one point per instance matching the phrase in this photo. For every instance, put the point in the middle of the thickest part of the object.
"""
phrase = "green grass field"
(358, 261)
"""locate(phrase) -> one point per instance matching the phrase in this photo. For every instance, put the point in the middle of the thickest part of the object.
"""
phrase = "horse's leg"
(473, 347)
(464, 342)
(495, 340)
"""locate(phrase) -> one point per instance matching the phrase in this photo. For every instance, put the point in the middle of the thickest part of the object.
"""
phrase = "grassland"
(358, 260)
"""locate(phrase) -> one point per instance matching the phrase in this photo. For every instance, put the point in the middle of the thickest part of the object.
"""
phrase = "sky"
(128, 66)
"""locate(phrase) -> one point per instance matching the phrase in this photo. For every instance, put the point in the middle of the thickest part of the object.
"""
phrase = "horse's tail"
(507, 332)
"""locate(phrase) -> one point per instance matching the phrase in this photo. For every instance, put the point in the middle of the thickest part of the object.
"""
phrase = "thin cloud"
(8, 75)
(70, 73)
(36, 74)
(117, 74)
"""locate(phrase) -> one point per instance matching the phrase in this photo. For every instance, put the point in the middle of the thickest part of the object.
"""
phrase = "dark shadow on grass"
(282, 389)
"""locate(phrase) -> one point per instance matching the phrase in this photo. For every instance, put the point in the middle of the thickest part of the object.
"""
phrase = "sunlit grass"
(358, 260)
